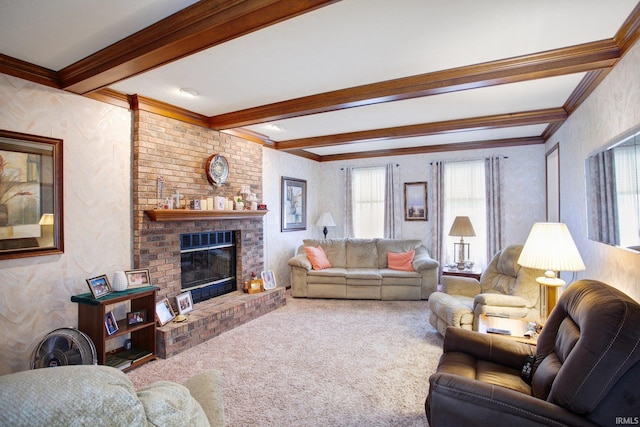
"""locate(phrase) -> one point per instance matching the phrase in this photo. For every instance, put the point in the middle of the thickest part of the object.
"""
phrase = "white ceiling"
(342, 45)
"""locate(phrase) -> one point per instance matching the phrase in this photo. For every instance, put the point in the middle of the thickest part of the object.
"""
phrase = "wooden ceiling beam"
(569, 60)
(548, 115)
(191, 30)
(439, 148)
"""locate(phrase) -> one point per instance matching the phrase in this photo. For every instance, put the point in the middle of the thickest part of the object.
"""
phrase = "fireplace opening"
(208, 264)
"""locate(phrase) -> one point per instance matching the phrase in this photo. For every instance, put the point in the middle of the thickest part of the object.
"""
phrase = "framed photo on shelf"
(185, 303)
(110, 323)
(138, 278)
(134, 317)
(415, 201)
(164, 312)
(268, 279)
(294, 204)
(99, 286)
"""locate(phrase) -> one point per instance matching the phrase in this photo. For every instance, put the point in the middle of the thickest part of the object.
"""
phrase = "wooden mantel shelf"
(165, 215)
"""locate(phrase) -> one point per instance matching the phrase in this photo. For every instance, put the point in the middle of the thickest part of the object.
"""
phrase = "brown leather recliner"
(586, 370)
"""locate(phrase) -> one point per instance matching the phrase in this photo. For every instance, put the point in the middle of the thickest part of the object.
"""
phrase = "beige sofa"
(90, 395)
(359, 270)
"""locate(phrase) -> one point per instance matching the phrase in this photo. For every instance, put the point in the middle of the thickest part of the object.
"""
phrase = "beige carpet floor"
(318, 363)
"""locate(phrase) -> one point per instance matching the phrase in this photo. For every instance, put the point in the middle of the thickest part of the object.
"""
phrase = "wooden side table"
(474, 273)
(517, 327)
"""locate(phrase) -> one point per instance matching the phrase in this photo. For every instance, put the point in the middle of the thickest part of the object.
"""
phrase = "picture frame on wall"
(415, 201)
(31, 182)
(293, 204)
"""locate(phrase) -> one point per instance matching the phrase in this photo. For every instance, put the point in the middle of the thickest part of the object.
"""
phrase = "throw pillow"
(317, 257)
(401, 261)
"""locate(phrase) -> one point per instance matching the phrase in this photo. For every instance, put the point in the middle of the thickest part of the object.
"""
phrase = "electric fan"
(64, 346)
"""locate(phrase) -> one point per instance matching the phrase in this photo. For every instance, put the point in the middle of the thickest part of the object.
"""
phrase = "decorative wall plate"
(217, 169)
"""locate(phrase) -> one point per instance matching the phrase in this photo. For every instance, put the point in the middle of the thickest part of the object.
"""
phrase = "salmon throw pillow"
(317, 257)
(401, 261)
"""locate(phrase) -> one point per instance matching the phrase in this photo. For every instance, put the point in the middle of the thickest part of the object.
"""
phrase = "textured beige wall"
(35, 292)
(610, 111)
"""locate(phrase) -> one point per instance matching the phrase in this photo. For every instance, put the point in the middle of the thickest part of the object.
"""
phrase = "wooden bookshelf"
(91, 317)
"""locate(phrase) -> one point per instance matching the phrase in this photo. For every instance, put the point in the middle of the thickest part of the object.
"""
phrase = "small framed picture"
(134, 317)
(99, 286)
(138, 278)
(110, 323)
(268, 279)
(415, 201)
(164, 312)
(185, 303)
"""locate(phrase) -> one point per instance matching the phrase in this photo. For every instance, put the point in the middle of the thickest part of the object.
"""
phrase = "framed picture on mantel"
(294, 204)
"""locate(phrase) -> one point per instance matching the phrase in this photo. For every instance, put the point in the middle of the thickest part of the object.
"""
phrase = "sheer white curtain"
(465, 195)
(368, 202)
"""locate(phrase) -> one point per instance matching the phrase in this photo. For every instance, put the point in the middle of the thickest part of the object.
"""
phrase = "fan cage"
(48, 353)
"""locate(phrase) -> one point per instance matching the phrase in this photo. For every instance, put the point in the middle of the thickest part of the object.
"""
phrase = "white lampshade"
(551, 247)
(326, 220)
(462, 227)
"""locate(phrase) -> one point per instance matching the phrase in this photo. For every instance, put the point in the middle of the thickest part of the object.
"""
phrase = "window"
(465, 195)
(627, 164)
(368, 202)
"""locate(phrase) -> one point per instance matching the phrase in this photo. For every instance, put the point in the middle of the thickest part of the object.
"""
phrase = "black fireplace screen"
(208, 264)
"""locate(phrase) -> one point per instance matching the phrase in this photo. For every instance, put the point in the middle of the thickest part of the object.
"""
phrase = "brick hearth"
(213, 317)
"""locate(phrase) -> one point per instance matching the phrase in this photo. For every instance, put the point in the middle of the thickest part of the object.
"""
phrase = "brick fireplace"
(177, 152)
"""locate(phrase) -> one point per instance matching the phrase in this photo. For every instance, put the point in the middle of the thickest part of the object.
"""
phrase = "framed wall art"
(30, 195)
(294, 204)
(415, 201)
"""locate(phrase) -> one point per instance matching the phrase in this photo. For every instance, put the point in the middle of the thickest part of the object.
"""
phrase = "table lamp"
(550, 247)
(325, 221)
(461, 227)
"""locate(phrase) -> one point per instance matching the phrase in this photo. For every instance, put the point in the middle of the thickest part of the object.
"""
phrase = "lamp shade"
(326, 220)
(462, 227)
(551, 247)
(47, 219)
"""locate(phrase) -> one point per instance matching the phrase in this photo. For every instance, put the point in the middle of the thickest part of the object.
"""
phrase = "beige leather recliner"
(504, 288)
(585, 372)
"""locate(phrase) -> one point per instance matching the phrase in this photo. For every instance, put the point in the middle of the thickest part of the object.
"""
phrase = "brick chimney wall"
(178, 152)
